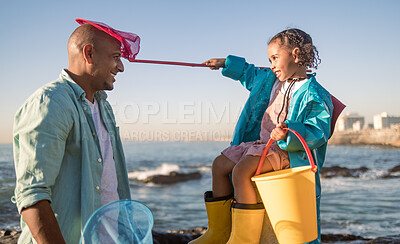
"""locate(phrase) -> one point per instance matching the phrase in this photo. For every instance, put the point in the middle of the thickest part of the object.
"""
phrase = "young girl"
(283, 96)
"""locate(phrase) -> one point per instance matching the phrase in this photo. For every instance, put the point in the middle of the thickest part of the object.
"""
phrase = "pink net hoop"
(130, 43)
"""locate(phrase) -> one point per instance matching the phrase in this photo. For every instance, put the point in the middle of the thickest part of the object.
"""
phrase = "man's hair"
(86, 34)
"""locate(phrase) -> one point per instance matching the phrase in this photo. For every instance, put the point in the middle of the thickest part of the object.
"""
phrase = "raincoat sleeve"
(41, 129)
(315, 129)
(237, 68)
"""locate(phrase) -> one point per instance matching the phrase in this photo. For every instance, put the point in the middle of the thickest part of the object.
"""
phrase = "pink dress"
(277, 157)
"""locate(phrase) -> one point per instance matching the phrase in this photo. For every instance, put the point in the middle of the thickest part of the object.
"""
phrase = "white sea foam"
(163, 169)
(373, 174)
(205, 169)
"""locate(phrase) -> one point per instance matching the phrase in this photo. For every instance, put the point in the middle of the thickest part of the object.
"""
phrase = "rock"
(9, 236)
(385, 240)
(184, 236)
(342, 238)
(172, 178)
(177, 236)
(394, 169)
(335, 171)
(171, 237)
(392, 173)
(390, 176)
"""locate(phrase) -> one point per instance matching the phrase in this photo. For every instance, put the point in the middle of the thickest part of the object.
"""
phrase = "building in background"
(352, 122)
(384, 120)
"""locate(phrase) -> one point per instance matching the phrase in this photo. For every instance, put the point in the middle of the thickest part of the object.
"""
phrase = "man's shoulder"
(58, 90)
(54, 95)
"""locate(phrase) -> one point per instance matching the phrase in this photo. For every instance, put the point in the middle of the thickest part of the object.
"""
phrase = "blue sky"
(357, 41)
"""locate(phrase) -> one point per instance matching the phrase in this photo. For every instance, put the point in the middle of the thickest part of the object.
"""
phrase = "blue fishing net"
(123, 221)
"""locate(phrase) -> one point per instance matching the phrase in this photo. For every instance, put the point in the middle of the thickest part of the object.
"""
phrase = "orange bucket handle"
(303, 142)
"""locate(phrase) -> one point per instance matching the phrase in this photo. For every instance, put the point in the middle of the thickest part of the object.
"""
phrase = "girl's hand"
(278, 133)
(215, 63)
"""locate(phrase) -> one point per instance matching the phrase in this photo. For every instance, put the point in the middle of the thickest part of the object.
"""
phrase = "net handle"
(303, 142)
(180, 63)
(168, 62)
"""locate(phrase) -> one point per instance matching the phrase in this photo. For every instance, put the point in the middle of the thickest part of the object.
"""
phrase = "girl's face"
(284, 63)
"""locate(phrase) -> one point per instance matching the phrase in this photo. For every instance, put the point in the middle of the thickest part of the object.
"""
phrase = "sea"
(366, 205)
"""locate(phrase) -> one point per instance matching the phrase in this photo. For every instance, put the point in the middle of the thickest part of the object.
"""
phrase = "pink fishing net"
(130, 43)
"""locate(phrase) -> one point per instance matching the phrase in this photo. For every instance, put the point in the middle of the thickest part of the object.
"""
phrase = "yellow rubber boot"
(219, 220)
(247, 223)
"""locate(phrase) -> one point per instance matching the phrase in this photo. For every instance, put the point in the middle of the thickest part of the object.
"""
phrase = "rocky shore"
(337, 171)
(384, 137)
(184, 236)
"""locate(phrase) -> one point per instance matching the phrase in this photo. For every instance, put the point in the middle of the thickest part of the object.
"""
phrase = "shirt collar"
(100, 95)
(79, 92)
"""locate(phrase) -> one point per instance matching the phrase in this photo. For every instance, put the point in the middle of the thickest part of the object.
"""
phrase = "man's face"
(106, 63)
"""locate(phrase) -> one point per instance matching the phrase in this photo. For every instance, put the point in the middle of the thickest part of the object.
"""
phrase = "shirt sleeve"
(237, 68)
(315, 129)
(41, 128)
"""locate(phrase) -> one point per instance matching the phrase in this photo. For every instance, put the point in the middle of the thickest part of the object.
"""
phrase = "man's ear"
(88, 51)
(295, 54)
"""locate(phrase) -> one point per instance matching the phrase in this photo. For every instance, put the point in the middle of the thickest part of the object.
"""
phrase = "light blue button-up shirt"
(58, 158)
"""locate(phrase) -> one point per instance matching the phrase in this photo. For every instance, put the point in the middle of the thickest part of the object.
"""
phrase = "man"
(68, 154)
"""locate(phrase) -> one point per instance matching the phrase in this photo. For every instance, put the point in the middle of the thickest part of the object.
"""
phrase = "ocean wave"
(370, 230)
(373, 174)
(163, 169)
(360, 173)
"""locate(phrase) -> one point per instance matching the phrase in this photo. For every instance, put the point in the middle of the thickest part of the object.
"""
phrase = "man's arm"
(40, 130)
(42, 223)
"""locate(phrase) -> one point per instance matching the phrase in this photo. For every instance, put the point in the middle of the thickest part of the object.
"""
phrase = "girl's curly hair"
(293, 38)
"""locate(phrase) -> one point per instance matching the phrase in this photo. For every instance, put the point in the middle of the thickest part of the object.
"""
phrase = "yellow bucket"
(289, 199)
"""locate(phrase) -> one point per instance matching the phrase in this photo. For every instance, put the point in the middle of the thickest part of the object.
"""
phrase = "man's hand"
(215, 63)
(278, 133)
(42, 223)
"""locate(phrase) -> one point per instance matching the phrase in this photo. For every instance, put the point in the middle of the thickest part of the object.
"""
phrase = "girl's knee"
(220, 164)
(239, 175)
(243, 171)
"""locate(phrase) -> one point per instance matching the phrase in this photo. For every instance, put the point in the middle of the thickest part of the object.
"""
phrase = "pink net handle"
(168, 62)
(303, 142)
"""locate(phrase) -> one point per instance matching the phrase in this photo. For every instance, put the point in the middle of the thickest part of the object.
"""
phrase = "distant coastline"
(389, 137)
